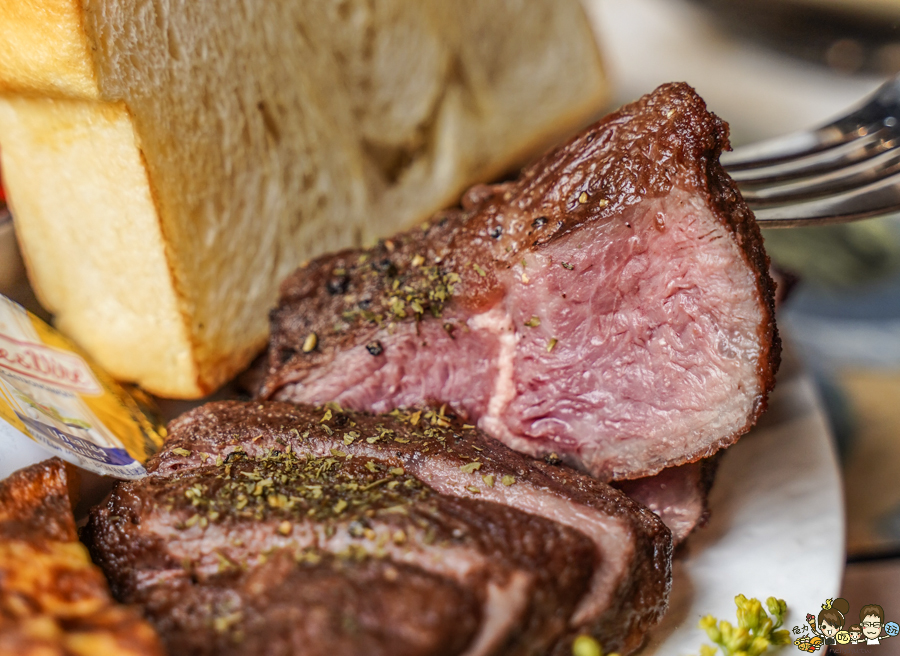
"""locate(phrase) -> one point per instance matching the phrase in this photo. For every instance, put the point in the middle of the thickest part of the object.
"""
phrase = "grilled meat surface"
(522, 556)
(612, 305)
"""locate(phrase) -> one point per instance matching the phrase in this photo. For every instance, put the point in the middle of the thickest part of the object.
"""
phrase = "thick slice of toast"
(169, 162)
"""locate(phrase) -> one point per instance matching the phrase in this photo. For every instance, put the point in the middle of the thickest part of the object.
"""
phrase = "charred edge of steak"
(458, 461)
(641, 597)
(708, 470)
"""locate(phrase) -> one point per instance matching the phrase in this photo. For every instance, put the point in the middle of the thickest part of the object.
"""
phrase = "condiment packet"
(53, 395)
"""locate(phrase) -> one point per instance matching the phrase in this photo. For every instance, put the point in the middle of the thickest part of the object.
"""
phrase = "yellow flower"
(755, 631)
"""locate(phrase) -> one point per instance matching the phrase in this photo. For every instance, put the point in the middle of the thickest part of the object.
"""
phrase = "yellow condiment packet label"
(53, 394)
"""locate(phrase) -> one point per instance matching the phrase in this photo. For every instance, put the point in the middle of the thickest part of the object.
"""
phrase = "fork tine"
(843, 171)
(838, 157)
(771, 151)
(877, 199)
(880, 110)
(843, 179)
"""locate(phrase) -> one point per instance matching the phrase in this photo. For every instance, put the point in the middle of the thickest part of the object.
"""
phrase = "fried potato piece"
(53, 600)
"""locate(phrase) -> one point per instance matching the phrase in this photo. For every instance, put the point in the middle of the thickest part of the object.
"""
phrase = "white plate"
(777, 525)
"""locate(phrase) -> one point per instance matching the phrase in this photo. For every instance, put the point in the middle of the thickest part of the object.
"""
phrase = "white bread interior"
(171, 161)
(92, 168)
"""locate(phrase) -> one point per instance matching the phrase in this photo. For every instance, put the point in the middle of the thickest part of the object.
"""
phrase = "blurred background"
(770, 67)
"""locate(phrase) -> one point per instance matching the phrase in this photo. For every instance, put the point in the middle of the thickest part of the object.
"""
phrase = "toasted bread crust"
(44, 50)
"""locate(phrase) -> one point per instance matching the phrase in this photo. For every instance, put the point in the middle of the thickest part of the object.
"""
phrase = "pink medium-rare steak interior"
(612, 306)
(657, 348)
(677, 495)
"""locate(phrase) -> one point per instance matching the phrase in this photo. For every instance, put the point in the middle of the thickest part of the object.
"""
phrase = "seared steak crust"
(612, 305)
(456, 497)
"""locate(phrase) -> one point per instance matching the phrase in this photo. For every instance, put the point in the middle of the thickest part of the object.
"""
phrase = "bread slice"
(168, 162)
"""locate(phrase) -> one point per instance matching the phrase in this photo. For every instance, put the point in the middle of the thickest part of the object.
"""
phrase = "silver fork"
(844, 171)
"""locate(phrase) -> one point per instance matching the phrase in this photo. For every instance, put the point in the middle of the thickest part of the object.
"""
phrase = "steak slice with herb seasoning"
(612, 305)
(200, 528)
(616, 598)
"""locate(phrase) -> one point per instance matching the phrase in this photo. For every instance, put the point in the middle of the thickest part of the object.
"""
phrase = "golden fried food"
(53, 600)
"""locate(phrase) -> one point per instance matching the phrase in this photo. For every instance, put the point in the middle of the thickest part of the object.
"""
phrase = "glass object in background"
(850, 36)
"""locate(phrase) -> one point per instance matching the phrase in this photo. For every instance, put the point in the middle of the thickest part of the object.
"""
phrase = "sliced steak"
(679, 495)
(612, 305)
(515, 509)
(238, 483)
